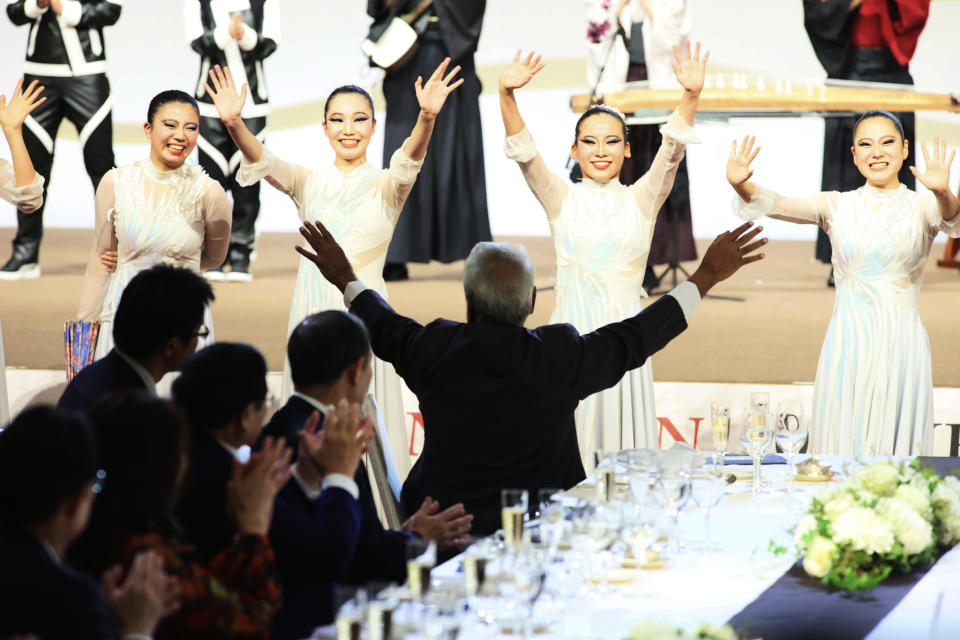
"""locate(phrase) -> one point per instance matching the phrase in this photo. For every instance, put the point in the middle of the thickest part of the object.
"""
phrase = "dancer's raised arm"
(691, 71)
(12, 116)
(756, 202)
(431, 97)
(229, 104)
(936, 178)
(514, 77)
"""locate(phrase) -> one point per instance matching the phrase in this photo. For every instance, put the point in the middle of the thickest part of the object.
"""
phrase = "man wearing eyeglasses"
(157, 326)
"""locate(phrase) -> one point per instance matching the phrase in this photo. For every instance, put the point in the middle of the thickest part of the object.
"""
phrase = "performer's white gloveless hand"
(521, 71)
(13, 113)
(936, 174)
(689, 69)
(738, 164)
(433, 94)
(225, 98)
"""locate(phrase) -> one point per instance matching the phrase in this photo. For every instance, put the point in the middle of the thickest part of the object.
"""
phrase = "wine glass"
(552, 516)
(529, 577)
(756, 436)
(720, 422)
(514, 504)
(791, 432)
(603, 527)
(673, 491)
(708, 491)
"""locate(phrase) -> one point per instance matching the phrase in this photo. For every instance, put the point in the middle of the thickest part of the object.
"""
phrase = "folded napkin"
(770, 458)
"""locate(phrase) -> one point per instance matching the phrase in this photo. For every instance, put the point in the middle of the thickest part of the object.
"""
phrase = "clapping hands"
(338, 447)
(433, 94)
(254, 485)
(521, 71)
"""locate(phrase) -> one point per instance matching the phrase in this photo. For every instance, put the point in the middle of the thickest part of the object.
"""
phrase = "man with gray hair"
(498, 399)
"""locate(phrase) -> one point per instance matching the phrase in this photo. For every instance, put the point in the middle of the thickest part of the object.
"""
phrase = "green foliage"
(775, 549)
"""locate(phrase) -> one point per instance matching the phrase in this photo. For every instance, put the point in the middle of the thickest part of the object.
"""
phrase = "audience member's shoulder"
(559, 331)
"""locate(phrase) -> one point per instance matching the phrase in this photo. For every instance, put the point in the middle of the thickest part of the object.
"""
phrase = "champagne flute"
(756, 436)
(514, 504)
(673, 490)
(605, 474)
(791, 432)
(720, 422)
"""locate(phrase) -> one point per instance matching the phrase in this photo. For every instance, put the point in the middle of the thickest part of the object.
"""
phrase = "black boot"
(650, 280)
(24, 262)
(239, 260)
(830, 281)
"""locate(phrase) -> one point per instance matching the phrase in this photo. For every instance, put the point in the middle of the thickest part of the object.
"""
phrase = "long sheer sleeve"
(814, 209)
(934, 218)
(217, 219)
(548, 188)
(401, 176)
(652, 189)
(27, 198)
(289, 178)
(95, 277)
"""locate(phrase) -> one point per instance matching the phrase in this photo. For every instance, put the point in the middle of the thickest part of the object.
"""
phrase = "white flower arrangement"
(659, 630)
(885, 517)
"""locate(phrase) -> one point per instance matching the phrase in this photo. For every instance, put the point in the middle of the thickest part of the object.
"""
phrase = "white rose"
(916, 497)
(829, 493)
(864, 530)
(913, 532)
(878, 477)
(819, 558)
(836, 507)
(807, 524)
(953, 483)
(946, 504)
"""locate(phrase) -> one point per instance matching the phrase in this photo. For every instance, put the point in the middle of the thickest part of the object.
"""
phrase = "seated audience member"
(497, 399)
(330, 360)
(143, 445)
(316, 518)
(157, 324)
(48, 481)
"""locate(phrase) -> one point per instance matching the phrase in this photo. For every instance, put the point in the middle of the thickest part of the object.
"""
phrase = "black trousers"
(839, 172)
(83, 101)
(220, 158)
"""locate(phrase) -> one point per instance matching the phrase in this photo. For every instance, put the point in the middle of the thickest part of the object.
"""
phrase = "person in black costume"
(240, 41)
(865, 40)
(446, 213)
(65, 52)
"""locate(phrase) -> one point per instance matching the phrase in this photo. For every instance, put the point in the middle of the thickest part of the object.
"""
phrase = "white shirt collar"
(148, 380)
(311, 493)
(316, 404)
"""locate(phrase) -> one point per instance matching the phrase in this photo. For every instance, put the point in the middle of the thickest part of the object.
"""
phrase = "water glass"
(673, 491)
(708, 491)
(791, 431)
(756, 437)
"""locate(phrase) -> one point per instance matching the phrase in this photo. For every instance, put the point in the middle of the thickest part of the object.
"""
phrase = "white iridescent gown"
(360, 208)
(28, 199)
(180, 217)
(874, 386)
(601, 233)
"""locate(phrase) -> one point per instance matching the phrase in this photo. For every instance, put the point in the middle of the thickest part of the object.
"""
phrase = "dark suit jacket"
(498, 400)
(107, 374)
(381, 553)
(49, 599)
(314, 540)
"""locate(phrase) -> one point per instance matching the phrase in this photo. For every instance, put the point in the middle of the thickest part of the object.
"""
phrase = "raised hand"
(521, 71)
(689, 69)
(329, 256)
(936, 174)
(433, 94)
(729, 251)
(447, 527)
(225, 98)
(13, 113)
(738, 164)
(254, 485)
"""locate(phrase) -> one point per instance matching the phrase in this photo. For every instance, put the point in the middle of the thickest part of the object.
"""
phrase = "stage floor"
(772, 336)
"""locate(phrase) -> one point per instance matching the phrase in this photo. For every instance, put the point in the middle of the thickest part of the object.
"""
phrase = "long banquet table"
(714, 586)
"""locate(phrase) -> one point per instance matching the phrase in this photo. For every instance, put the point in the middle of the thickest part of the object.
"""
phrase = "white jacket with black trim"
(67, 45)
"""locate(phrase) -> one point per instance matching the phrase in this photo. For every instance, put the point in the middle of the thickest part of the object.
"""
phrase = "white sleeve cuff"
(761, 204)
(340, 481)
(678, 129)
(520, 147)
(72, 12)
(221, 35)
(687, 294)
(352, 290)
(249, 39)
(136, 636)
(403, 168)
(252, 172)
(32, 11)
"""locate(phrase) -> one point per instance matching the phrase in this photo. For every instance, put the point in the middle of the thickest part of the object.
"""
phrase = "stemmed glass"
(514, 504)
(720, 422)
(791, 432)
(708, 491)
(552, 516)
(756, 436)
(673, 491)
(603, 526)
(605, 473)
(529, 576)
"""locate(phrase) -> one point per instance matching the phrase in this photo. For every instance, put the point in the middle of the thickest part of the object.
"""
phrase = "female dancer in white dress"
(19, 183)
(156, 210)
(358, 203)
(874, 387)
(601, 231)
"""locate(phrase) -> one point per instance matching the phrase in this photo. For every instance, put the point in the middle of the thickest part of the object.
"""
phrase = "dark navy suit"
(109, 373)
(498, 400)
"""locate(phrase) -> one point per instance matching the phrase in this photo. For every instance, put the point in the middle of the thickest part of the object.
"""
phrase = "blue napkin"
(770, 458)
